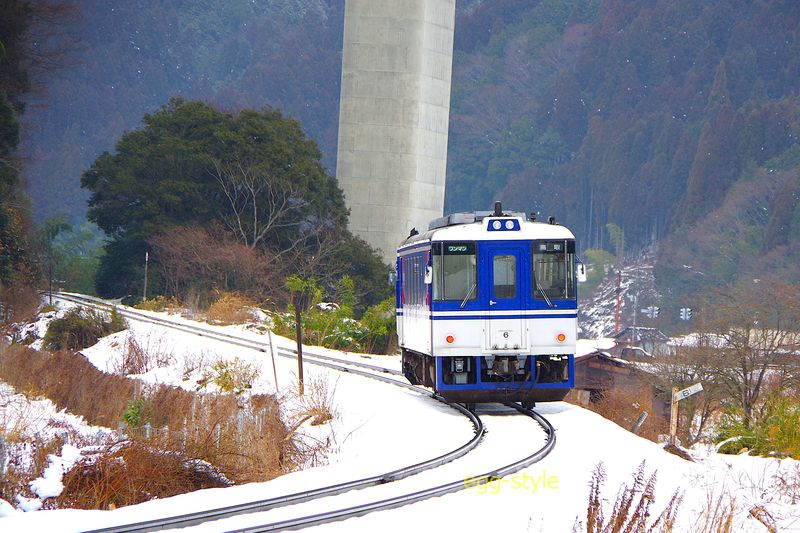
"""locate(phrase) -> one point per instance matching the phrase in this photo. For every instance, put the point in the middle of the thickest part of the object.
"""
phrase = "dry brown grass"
(244, 438)
(317, 401)
(631, 511)
(70, 381)
(132, 472)
(623, 407)
(230, 308)
(315, 407)
(718, 515)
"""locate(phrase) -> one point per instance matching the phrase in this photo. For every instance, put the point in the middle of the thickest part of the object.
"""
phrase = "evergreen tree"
(253, 173)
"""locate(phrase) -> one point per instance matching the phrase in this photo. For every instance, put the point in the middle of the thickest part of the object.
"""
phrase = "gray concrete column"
(394, 116)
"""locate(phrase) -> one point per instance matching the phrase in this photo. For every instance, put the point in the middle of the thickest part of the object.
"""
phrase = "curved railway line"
(353, 367)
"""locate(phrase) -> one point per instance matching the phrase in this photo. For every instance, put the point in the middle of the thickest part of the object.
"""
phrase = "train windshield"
(454, 272)
(553, 270)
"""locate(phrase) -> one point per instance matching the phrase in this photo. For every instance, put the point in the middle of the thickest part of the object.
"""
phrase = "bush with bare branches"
(202, 261)
(230, 308)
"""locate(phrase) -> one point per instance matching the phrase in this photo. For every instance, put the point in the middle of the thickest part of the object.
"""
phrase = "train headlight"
(450, 339)
(561, 337)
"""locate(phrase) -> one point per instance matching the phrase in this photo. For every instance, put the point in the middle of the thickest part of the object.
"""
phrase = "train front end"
(493, 308)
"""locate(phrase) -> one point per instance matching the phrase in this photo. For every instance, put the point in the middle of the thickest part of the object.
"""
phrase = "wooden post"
(272, 354)
(299, 335)
(639, 421)
(673, 417)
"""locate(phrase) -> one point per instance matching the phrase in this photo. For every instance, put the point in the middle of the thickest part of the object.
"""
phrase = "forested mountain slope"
(657, 116)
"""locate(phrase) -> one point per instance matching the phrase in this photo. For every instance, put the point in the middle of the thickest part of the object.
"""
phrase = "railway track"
(353, 367)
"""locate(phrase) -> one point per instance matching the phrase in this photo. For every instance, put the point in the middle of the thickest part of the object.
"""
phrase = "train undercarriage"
(481, 379)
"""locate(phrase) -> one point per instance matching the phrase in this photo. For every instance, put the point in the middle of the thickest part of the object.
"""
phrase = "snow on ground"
(23, 421)
(380, 427)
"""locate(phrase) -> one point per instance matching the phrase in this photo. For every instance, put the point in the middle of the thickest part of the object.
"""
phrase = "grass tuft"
(631, 511)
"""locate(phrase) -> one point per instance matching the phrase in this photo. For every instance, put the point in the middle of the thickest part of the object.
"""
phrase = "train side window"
(454, 271)
(505, 276)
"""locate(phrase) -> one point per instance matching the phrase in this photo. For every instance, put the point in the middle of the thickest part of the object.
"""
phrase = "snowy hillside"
(378, 427)
(637, 291)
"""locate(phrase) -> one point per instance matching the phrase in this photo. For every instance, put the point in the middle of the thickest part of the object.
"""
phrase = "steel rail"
(191, 519)
(406, 499)
(226, 337)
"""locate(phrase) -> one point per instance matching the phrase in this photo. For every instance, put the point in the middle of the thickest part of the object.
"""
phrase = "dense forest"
(676, 121)
(23, 64)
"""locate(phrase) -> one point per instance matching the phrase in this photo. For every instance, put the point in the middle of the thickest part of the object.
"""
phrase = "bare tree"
(195, 259)
(759, 328)
(687, 366)
(259, 202)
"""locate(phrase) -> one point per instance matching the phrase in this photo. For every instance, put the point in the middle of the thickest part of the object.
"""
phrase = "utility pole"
(50, 278)
(619, 296)
(146, 260)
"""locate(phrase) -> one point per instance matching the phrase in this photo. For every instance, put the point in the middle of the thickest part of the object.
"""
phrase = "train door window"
(454, 271)
(553, 270)
(505, 276)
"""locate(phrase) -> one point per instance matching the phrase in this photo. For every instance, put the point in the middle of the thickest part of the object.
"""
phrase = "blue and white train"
(487, 307)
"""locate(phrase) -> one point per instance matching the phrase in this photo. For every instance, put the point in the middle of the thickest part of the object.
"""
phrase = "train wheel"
(470, 407)
(408, 372)
(528, 404)
(431, 374)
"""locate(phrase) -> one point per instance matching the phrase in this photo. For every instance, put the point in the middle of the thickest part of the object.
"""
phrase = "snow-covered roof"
(585, 347)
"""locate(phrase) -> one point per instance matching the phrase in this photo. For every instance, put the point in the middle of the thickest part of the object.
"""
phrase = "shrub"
(18, 303)
(230, 308)
(324, 325)
(623, 407)
(159, 303)
(48, 308)
(231, 376)
(333, 326)
(136, 413)
(380, 322)
(774, 432)
(81, 328)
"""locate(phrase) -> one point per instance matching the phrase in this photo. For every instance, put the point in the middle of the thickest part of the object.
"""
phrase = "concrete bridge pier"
(394, 116)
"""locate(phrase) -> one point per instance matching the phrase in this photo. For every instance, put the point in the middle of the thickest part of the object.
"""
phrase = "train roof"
(475, 226)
